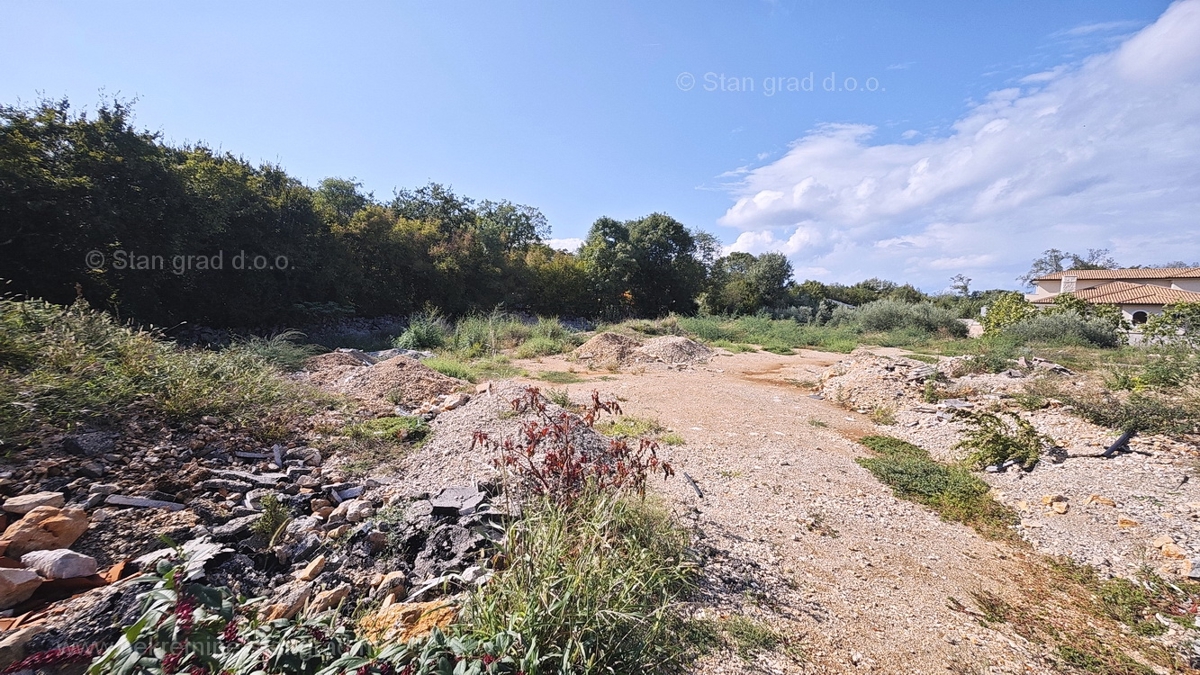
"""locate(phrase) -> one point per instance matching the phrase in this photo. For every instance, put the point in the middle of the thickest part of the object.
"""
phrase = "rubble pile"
(381, 385)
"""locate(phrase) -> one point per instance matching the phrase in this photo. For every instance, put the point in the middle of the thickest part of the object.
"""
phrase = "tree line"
(159, 234)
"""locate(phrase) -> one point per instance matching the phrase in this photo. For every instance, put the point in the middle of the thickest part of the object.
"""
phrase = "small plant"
(748, 637)
(403, 429)
(883, 415)
(931, 393)
(671, 438)
(274, 517)
(452, 367)
(994, 439)
(547, 461)
(560, 398)
(814, 422)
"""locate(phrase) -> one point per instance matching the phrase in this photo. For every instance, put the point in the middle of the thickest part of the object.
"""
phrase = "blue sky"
(580, 111)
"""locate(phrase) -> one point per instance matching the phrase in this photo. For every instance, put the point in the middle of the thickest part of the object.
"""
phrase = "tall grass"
(61, 365)
(287, 350)
(589, 588)
(775, 335)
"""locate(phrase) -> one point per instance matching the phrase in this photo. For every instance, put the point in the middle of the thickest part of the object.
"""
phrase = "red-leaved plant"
(548, 460)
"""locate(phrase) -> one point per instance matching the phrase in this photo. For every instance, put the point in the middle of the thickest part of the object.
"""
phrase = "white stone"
(23, 504)
(16, 585)
(60, 563)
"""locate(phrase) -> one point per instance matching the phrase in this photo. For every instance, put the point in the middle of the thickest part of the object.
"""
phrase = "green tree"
(1006, 310)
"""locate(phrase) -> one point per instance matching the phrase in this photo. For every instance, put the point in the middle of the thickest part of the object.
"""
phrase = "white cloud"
(570, 244)
(1102, 154)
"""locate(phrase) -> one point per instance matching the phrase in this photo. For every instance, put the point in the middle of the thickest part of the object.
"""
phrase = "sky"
(910, 141)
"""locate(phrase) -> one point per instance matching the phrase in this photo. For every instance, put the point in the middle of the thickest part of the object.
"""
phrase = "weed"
(671, 438)
(61, 365)
(453, 368)
(629, 427)
(726, 473)
(426, 330)
(589, 587)
(1030, 401)
(931, 393)
(992, 606)
(404, 429)
(284, 350)
(817, 523)
(953, 492)
(883, 415)
(274, 518)
(814, 422)
(993, 441)
(560, 398)
(748, 637)
(547, 461)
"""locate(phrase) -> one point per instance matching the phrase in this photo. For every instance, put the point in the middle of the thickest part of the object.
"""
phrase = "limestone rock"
(16, 585)
(1125, 521)
(329, 599)
(60, 563)
(44, 528)
(289, 601)
(312, 569)
(22, 504)
(407, 621)
(1059, 507)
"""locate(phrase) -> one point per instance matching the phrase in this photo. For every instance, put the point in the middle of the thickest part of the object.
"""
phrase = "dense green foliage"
(1178, 325)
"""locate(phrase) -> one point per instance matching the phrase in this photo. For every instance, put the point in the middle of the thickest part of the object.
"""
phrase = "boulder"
(22, 504)
(16, 585)
(44, 528)
(352, 510)
(60, 563)
(90, 444)
(311, 570)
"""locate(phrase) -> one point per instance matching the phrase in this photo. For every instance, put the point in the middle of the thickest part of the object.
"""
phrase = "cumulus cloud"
(1099, 154)
(569, 244)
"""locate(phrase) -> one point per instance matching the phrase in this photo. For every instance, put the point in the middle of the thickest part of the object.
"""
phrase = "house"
(1138, 292)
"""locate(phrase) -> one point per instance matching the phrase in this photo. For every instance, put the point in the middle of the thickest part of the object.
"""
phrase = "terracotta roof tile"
(1125, 293)
(1139, 273)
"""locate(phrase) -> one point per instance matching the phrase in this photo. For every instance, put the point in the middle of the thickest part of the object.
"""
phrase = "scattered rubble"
(382, 386)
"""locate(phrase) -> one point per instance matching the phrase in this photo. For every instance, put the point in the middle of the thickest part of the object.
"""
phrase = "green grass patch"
(559, 377)
(65, 365)
(735, 347)
(628, 426)
(748, 637)
(473, 370)
(953, 492)
(404, 429)
(671, 438)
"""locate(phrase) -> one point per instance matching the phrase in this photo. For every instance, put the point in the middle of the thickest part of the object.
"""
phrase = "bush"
(1006, 310)
(1179, 324)
(889, 315)
(487, 334)
(994, 441)
(1064, 328)
(425, 331)
(1141, 411)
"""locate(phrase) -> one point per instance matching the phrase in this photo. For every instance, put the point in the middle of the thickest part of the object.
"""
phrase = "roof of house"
(1139, 273)
(1125, 293)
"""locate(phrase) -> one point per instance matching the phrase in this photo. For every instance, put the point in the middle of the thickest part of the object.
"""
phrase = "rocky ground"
(791, 530)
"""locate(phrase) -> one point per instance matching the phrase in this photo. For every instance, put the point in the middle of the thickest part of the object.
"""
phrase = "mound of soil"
(608, 348)
(397, 381)
(326, 361)
(676, 350)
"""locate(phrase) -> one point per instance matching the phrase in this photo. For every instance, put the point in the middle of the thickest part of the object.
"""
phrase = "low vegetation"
(993, 439)
(73, 365)
(952, 491)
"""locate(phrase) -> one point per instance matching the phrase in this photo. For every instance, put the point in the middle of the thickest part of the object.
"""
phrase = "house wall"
(1151, 310)
(1187, 284)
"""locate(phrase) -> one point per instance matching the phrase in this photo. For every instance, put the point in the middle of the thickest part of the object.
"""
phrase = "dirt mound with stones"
(326, 361)
(398, 381)
(608, 349)
(676, 350)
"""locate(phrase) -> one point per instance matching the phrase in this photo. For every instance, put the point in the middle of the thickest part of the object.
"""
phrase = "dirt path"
(806, 539)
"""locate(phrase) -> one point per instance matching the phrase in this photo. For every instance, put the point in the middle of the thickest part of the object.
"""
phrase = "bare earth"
(801, 536)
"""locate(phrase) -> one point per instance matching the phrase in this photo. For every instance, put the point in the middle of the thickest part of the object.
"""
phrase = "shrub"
(1141, 411)
(547, 460)
(1179, 324)
(891, 315)
(993, 441)
(425, 331)
(487, 334)
(541, 346)
(1006, 310)
(1064, 328)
